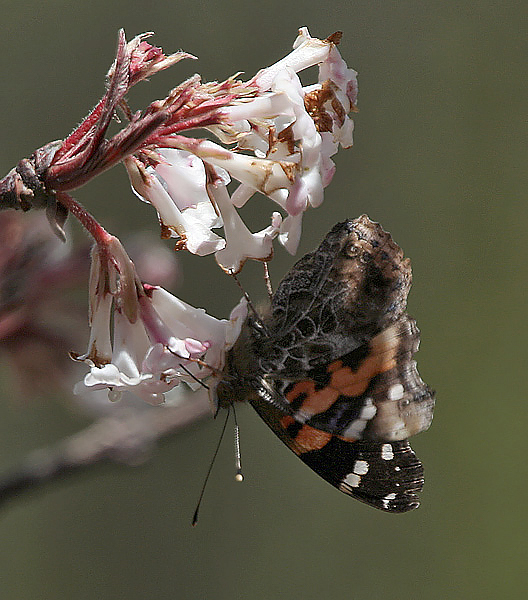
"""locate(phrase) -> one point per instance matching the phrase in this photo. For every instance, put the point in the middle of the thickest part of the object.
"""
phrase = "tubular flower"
(270, 135)
(144, 339)
(275, 137)
(176, 189)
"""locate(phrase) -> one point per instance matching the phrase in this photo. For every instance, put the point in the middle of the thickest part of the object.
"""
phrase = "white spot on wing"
(352, 479)
(356, 428)
(361, 467)
(386, 500)
(386, 452)
(368, 411)
(396, 392)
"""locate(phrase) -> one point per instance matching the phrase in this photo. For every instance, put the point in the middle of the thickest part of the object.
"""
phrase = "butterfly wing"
(373, 392)
(333, 301)
(386, 475)
(330, 367)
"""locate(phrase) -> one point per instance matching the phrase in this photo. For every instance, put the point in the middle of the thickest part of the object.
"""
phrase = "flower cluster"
(280, 137)
(270, 135)
(145, 340)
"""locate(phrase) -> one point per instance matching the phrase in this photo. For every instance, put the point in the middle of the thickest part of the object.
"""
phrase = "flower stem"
(94, 228)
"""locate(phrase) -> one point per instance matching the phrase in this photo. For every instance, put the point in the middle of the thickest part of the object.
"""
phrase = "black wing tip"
(385, 475)
(390, 503)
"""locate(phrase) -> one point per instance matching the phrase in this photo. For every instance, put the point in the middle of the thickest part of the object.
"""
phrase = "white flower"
(284, 136)
(176, 189)
(144, 340)
(241, 244)
(307, 51)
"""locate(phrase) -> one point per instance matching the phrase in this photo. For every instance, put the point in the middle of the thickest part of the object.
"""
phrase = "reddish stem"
(77, 135)
(97, 231)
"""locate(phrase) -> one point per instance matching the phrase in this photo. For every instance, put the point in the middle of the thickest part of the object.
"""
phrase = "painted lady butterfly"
(330, 367)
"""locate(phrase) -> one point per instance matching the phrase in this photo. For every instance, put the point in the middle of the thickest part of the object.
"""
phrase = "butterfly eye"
(257, 328)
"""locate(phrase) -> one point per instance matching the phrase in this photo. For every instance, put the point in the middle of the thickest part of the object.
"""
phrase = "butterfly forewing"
(386, 475)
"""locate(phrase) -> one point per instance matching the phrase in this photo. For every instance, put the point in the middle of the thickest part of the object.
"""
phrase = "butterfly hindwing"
(373, 392)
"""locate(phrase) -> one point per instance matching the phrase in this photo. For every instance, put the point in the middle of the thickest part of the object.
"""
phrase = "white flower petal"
(290, 232)
(336, 69)
(241, 195)
(308, 51)
(344, 134)
(259, 173)
(131, 344)
(241, 244)
(236, 320)
(267, 106)
(184, 177)
(198, 221)
(195, 221)
(150, 189)
(100, 345)
(184, 320)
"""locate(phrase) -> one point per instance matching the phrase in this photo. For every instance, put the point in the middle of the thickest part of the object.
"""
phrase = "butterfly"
(329, 367)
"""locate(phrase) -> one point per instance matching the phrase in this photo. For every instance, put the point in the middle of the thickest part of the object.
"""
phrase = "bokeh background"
(439, 159)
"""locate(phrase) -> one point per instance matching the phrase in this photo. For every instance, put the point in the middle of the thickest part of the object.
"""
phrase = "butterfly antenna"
(248, 300)
(238, 465)
(194, 377)
(198, 362)
(267, 280)
(195, 516)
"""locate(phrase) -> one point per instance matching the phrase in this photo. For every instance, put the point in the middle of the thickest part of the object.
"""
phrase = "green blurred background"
(439, 160)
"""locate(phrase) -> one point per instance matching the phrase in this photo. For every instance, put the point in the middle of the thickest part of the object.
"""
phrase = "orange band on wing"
(312, 439)
(306, 438)
(343, 380)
